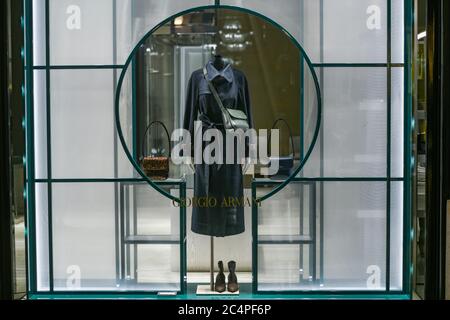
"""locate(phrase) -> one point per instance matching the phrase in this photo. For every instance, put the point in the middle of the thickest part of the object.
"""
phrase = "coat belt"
(208, 124)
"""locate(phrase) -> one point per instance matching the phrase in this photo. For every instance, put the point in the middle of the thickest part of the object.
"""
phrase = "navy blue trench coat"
(218, 204)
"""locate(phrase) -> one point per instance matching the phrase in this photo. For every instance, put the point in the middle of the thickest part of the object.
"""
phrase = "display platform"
(205, 290)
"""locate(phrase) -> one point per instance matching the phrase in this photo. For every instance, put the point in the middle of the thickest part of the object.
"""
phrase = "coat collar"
(226, 73)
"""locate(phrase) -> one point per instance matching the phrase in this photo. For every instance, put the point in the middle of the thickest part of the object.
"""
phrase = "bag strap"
(289, 130)
(146, 131)
(214, 92)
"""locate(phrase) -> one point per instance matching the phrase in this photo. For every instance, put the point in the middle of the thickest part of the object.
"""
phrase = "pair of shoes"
(233, 285)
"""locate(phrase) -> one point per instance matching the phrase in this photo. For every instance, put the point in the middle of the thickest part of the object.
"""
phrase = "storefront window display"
(114, 207)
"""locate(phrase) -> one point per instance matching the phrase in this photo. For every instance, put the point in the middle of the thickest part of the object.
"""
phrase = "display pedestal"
(205, 289)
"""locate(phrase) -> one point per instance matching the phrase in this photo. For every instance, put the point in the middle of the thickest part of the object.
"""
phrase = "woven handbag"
(156, 166)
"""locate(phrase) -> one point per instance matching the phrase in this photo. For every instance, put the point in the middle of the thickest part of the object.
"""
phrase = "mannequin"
(222, 180)
(218, 61)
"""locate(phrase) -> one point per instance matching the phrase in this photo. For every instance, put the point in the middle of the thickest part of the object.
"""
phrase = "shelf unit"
(128, 239)
(301, 239)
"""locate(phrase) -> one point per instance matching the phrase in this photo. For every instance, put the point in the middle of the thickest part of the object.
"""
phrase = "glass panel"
(396, 247)
(159, 274)
(397, 31)
(311, 27)
(355, 235)
(40, 124)
(314, 165)
(123, 33)
(344, 23)
(96, 247)
(289, 218)
(397, 122)
(301, 18)
(82, 123)
(286, 15)
(288, 212)
(39, 36)
(124, 167)
(84, 236)
(152, 213)
(42, 244)
(354, 122)
(81, 32)
(81, 35)
(353, 247)
(279, 267)
(355, 31)
(140, 16)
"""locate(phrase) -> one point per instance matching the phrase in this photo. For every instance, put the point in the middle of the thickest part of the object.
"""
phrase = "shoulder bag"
(286, 163)
(232, 118)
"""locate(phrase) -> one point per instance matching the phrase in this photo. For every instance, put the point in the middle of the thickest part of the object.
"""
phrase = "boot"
(219, 285)
(233, 285)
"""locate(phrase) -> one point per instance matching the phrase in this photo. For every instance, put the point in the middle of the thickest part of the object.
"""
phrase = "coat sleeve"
(191, 108)
(247, 103)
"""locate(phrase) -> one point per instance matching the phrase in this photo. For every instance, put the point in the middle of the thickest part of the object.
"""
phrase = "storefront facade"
(341, 226)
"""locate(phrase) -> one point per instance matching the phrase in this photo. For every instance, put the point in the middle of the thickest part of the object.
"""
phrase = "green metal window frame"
(31, 180)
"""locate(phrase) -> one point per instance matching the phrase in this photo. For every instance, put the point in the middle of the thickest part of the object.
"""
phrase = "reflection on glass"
(420, 115)
(271, 62)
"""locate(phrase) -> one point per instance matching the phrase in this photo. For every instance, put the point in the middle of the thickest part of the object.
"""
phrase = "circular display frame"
(228, 7)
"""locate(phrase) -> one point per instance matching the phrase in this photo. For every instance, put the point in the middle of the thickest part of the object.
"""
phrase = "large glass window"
(342, 224)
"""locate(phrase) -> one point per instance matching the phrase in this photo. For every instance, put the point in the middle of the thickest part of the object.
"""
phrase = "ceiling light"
(178, 21)
(421, 35)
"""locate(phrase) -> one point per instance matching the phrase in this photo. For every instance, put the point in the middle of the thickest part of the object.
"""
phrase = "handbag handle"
(214, 91)
(289, 130)
(216, 95)
(146, 131)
